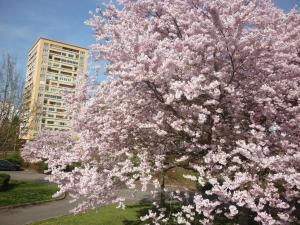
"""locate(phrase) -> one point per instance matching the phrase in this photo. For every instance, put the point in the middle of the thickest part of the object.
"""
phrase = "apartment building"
(53, 68)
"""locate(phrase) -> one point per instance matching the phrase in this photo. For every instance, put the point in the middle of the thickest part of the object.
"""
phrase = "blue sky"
(22, 22)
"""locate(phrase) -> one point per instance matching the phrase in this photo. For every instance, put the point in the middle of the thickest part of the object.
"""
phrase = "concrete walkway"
(30, 214)
(26, 175)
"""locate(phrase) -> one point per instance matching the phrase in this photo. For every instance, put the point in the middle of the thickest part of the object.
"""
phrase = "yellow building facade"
(53, 69)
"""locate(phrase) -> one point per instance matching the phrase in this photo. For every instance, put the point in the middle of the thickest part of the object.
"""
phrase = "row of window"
(53, 96)
(65, 48)
(66, 79)
(54, 116)
(64, 67)
(64, 54)
(50, 70)
(64, 60)
(50, 128)
(51, 103)
(51, 122)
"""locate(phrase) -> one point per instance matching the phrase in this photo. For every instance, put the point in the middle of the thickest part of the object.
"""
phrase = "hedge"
(4, 179)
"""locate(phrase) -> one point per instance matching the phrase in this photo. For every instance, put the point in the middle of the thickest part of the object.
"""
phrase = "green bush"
(42, 166)
(4, 179)
(39, 167)
(15, 158)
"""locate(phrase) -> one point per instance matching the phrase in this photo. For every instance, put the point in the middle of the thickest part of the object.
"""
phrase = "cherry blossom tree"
(211, 86)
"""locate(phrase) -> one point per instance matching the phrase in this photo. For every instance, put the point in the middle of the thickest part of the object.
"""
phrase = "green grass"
(19, 192)
(108, 215)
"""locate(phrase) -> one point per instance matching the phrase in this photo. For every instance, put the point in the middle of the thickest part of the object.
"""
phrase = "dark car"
(8, 166)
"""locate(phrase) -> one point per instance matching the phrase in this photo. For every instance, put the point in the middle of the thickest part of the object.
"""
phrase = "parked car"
(8, 166)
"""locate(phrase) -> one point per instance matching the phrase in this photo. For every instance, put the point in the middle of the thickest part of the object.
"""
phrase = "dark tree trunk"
(244, 217)
(162, 190)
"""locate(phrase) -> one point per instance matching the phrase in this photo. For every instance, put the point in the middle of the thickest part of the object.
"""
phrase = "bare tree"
(11, 89)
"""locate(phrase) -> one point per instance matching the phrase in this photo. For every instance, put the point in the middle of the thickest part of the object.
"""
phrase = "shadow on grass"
(141, 208)
(11, 186)
(245, 217)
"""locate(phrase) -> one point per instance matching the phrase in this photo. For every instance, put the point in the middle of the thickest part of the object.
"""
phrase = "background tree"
(208, 85)
(11, 89)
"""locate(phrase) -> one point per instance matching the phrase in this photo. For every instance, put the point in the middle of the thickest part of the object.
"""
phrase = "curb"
(34, 203)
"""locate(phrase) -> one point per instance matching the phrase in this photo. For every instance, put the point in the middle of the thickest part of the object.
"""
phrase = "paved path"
(26, 175)
(29, 214)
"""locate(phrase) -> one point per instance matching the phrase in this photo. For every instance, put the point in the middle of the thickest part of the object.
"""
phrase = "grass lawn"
(108, 215)
(19, 192)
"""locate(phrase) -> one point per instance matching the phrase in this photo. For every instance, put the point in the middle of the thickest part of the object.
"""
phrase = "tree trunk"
(244, 217)
(162, 190)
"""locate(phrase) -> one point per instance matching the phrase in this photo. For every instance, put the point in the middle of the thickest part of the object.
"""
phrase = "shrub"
(4, 179)
(39, 167)
(42, 167)
(15, 158)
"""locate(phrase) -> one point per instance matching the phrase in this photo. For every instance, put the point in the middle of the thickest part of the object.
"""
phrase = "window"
(55, 52)
(70, 49)
(51, 70)
(66, 73)
(50, 122)
(67, 86)
(66, 67)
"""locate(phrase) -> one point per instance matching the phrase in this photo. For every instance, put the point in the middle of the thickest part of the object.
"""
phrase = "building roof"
(59, 42)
